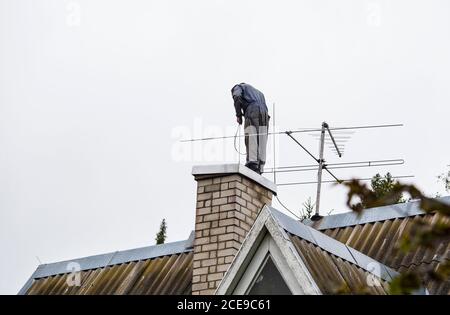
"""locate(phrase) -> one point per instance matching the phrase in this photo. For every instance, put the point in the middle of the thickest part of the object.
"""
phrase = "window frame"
(267, 248)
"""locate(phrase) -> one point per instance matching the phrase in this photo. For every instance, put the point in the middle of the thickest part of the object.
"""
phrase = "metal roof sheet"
(170, 274)
(377, 214)
(333, 246)
(334, 275)
(118, 258)
(114, 258)
(381, 240)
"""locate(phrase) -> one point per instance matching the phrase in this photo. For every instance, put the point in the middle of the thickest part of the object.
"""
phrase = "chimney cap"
(206, 171)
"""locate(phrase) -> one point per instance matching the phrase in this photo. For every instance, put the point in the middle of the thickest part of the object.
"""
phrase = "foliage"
(162, 234)
(406, 283)
(307, 210)
(422, 234)
(382, 186)
(445, 178)
(344, 289)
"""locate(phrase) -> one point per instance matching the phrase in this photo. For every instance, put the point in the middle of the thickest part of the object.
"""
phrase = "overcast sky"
(95, 94)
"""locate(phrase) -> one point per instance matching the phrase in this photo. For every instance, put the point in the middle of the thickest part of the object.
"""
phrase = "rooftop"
(400, 210)
(112, 260)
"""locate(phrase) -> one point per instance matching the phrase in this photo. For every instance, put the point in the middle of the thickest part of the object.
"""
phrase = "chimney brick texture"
(227, 207)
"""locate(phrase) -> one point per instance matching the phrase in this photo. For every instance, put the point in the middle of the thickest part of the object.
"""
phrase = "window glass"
(269, 281)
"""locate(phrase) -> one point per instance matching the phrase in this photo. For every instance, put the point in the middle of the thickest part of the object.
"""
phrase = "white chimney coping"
(224, 169)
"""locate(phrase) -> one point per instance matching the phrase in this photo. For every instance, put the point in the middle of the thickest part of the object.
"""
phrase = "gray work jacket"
(245, 95)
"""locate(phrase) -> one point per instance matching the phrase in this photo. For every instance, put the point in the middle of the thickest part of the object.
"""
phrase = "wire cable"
(287, 209)
(236, 136)
(274, 166)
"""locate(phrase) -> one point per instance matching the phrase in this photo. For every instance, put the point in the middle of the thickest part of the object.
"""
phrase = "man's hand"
(239, 120)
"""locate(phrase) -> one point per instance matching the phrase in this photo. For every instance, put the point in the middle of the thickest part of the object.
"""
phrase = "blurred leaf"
(405, 283)
(422, 234)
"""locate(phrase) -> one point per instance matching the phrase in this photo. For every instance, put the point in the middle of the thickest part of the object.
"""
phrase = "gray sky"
(94, 95)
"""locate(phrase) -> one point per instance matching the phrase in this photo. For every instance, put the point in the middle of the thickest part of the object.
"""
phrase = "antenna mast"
(321, 164)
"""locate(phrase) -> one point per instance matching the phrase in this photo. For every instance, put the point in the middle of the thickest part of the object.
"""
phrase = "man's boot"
(261, 167)
(253, 166)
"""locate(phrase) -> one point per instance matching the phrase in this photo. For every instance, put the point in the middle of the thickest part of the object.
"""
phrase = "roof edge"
(400, 210)
(110, 259)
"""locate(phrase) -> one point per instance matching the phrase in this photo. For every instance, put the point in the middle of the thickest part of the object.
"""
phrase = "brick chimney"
(229, 198)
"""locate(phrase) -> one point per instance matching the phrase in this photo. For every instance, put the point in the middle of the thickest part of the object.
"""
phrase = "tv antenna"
(334, 137)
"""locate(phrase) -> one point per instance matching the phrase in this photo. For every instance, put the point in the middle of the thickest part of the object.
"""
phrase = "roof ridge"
(333, 246)
(377, 214)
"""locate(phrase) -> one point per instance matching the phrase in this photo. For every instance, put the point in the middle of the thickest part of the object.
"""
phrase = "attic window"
(269, 281)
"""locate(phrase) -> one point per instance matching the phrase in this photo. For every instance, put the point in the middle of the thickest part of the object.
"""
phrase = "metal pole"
(334, 142)
(321, 165)
(358, 164)
(290, 132)
(342, 181)
(274, 149)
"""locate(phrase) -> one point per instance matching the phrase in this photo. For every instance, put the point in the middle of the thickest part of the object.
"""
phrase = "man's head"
(237, 89)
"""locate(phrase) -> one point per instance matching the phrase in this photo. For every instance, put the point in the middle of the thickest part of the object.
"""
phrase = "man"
(250, 103)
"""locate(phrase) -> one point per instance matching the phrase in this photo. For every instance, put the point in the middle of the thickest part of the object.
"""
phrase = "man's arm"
(237, 97)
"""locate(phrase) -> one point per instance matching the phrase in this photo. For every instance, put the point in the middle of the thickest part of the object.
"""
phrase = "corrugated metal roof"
(400, 210)
(334, 275)
(159, 269)
(333, 247)
(346, 251)
(380, 239)
(170, 274)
